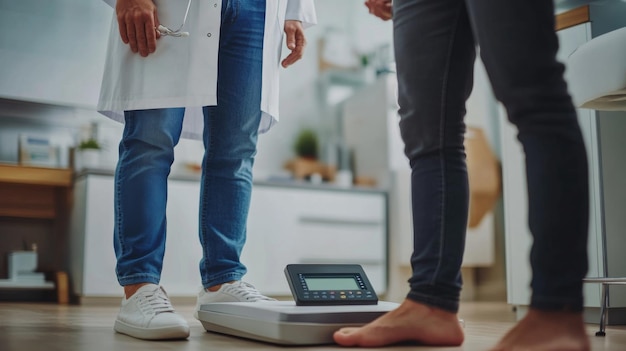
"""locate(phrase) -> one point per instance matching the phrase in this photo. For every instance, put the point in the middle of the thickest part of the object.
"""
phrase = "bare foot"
(546, 331)
(410, 322)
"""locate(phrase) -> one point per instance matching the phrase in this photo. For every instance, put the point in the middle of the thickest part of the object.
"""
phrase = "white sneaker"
(148, 314)
(238, 291)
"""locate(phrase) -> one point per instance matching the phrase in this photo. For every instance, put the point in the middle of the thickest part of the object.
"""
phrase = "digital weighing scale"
(326, 298)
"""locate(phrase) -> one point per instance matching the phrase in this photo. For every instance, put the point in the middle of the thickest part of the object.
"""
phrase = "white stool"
(596, 74)
(605, 298)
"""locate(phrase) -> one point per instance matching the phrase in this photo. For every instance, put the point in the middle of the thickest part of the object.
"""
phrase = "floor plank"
(25, 326)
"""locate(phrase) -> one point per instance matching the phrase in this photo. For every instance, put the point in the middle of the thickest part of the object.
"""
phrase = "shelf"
(13, 284)
(39, 193)
(33, 192)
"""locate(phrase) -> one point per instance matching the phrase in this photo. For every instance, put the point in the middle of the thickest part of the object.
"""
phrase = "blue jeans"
(435, 43)
(146, 153)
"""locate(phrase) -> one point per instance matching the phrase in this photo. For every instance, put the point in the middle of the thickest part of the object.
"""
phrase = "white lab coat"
(182, 72)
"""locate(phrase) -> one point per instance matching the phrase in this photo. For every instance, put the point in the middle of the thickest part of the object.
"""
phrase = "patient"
(435, 48)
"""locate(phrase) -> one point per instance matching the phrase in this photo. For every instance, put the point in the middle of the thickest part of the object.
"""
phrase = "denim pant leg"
(230, 138)
(434, 55)
(518, 46)
(146, 153)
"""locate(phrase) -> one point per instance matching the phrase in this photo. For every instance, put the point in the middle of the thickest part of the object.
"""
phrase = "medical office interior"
(331, 183)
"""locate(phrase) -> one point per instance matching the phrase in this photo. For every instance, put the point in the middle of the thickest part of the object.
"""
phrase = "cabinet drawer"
(349, 240)
(341, 208)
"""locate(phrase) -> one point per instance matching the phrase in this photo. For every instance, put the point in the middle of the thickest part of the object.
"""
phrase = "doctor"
(218, 84)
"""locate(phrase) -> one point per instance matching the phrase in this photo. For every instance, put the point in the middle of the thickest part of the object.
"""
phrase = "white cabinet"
(92, 260)
(285, 225)
(603, 135)
(53, 51)
(299, 225)
(92, 256)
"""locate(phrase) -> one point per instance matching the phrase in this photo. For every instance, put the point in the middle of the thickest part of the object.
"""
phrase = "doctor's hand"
(295, 42)
(137, 20)
(380, 8)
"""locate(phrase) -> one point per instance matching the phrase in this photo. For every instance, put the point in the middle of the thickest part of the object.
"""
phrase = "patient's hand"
(380, 8)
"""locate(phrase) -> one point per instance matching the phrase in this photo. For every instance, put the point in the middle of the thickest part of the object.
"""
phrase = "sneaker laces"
(155, 301)
(246, 291)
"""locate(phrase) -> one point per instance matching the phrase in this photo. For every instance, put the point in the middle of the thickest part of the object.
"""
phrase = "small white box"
(22, 263)
(37, 151)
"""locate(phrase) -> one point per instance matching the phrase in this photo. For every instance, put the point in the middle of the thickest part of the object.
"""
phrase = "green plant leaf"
(89, 144)
(306, 144)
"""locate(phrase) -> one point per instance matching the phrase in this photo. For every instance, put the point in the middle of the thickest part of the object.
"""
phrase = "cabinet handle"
(333, 221)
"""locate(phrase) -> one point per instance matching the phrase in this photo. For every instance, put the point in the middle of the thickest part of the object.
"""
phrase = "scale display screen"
(329, 284)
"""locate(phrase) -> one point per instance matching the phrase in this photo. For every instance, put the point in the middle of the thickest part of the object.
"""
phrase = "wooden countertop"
(18, 174)
(572, 17)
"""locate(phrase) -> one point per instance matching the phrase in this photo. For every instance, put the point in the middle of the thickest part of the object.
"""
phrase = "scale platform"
(284, 323)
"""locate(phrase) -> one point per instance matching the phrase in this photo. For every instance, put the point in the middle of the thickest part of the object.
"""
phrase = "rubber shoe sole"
(165, 333)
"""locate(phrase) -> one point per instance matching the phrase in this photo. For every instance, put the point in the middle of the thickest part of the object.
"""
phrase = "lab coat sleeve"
(303, 11)
(111, 3)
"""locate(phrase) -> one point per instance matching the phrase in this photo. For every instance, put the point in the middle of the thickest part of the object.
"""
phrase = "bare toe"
(410, 322)
(346, 336)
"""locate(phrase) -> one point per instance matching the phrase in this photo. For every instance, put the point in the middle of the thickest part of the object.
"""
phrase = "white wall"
(64, 126)
(52, 51)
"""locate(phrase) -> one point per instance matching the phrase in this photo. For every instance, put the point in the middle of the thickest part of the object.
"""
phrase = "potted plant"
(306, 145)
(88, 154)
(306, 162)
(89, 144)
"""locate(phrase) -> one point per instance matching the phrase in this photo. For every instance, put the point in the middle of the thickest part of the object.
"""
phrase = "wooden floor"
(49, 327)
